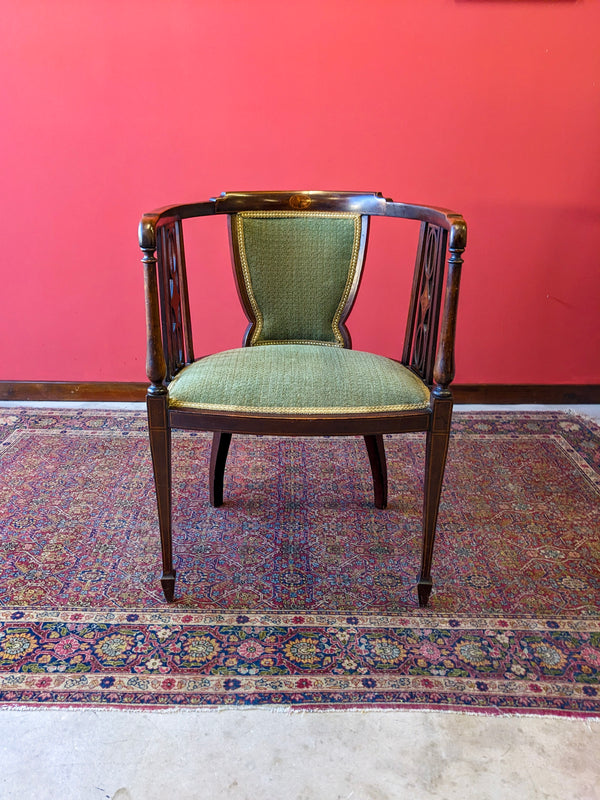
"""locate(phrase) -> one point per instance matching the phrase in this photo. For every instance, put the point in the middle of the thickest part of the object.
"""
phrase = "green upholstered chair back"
(297, 273)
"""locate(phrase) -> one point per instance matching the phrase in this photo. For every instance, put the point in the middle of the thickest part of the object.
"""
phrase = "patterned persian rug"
(298, 591)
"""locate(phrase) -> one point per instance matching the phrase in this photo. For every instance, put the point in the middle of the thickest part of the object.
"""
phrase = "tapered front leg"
(376, 451)
(218, 459)
(435, 463)
(160, 446)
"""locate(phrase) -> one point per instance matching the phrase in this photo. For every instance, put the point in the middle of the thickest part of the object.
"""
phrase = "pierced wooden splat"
(177, 334)
(420, 343)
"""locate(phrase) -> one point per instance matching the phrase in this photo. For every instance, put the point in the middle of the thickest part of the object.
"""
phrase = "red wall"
(488, 107)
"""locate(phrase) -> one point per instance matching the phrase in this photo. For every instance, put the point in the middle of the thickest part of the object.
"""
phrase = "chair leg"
(376, 451)
(218, 458)
(160, 446)
(435, 463)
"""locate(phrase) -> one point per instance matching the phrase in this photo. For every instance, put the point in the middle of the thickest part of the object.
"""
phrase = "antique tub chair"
(298, 258)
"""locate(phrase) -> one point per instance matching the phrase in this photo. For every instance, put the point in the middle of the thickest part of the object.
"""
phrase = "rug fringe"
(593, 718)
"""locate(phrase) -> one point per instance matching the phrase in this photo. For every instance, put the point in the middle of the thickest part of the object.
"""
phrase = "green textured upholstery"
(297, 270)
(297, 378)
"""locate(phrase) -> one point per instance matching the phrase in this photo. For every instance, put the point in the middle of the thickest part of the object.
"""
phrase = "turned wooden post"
(438, 435)
(159, 428)
(443, 373)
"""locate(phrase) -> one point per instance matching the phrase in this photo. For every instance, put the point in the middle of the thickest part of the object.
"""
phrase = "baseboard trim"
(511, 394)
(121, 392)
(87, 392)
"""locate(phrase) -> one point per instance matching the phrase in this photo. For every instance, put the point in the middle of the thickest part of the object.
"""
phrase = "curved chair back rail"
(298, 258)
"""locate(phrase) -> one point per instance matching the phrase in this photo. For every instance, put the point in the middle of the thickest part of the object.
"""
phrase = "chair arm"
(163, 216)
(168, 326)
(439, 256)
(442, 217)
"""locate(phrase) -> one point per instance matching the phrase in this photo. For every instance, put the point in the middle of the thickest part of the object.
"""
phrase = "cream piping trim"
(335, 324)
(300, 409)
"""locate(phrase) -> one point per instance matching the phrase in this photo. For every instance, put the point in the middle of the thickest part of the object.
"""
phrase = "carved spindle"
(155, 360)
(444, 365)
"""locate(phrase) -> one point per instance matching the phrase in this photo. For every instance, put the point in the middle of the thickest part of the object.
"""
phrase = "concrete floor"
(243, 754)
(258, 753)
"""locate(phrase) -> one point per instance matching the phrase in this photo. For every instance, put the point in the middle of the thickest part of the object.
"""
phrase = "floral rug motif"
(298, 591)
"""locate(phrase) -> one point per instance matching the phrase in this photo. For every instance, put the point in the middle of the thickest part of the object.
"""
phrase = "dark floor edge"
(124, 392)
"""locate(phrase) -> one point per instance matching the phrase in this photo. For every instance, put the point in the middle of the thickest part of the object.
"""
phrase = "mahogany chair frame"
(428, 350)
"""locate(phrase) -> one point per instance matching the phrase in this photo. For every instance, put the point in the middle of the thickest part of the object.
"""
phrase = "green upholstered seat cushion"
(297, 379)
(298, 270)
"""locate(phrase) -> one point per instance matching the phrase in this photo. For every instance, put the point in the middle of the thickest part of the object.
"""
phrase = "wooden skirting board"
(121, 392)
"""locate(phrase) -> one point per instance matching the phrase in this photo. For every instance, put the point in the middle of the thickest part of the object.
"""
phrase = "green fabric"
(296, 378)
(298, 269)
